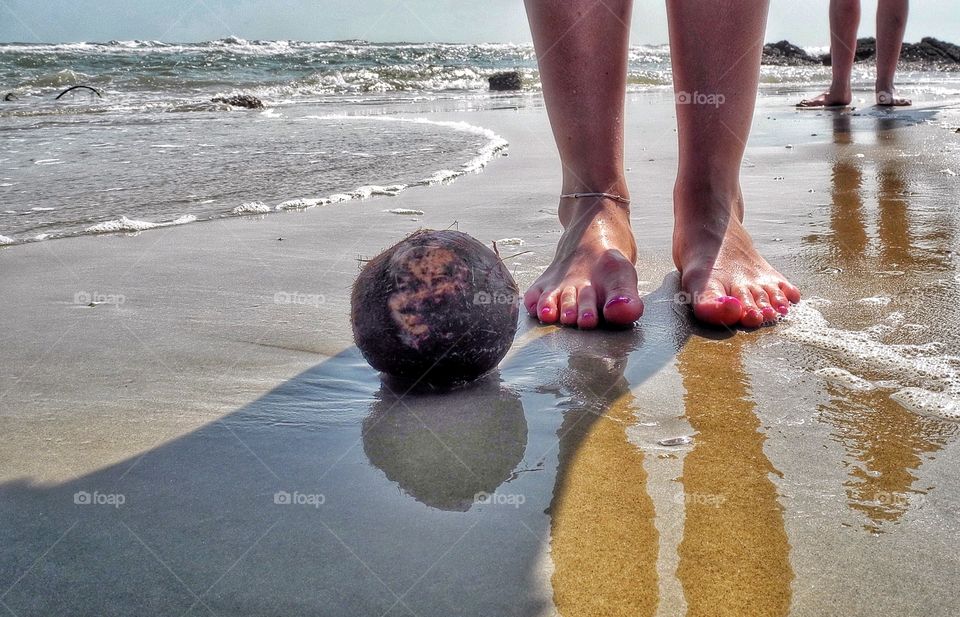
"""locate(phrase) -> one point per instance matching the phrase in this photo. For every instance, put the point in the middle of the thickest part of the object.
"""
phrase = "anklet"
(617, 198)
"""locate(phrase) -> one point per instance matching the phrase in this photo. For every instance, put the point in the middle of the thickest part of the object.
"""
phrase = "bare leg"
(582, 48)
(891, 23)
(844, 20)
(716, 47)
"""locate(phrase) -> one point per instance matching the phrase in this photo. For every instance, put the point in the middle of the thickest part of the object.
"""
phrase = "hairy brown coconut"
(438, 307)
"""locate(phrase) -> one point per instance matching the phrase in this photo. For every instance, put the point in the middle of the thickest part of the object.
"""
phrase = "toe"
(531, 299)
(715, 307)
(762, 301)
(778, 299)
(568, 306)
(621, 301)
(547, 311)
(623, 309)
(588, 316)
(790, 291)
(751, 317)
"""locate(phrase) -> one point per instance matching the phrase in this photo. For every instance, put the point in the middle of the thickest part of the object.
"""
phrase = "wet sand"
(265, 469)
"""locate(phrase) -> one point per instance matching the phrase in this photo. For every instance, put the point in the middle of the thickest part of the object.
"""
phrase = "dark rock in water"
(929, 51)
(10, 96)
(785, 53)
(241, 100)
(436, 308)
(511, 80)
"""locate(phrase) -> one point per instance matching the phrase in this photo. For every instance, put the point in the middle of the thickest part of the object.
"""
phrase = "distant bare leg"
(844, 20)
(891, 24)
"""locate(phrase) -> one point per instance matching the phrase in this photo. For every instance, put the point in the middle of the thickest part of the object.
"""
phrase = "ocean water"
(154, 150)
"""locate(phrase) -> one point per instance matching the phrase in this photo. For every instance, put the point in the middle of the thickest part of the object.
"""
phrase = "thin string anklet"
(618, 198)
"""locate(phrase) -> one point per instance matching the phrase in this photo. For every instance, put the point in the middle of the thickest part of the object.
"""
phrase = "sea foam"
(125, 224)
(924, 378)
(252, 207)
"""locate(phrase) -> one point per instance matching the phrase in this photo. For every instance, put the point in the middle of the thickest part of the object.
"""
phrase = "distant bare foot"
(889, 98)
(729, 283)
(592, 278)
(830, 98)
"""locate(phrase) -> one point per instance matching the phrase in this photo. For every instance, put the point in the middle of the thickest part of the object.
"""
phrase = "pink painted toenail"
(545, 311)
(619, 300)
(782, 309)
(570, 313)
(588, 315)
(769, 314)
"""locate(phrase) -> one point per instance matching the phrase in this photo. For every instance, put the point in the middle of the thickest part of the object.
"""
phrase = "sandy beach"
(206, 439)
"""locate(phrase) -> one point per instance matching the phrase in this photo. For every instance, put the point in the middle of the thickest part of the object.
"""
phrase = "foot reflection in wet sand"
(603, 540)
(734, 556)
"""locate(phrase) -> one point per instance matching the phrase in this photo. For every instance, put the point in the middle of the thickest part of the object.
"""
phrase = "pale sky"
(801, 21)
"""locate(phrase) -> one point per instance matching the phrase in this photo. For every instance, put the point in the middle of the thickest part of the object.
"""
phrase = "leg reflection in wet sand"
(603, 540)
(734, 556)
(847, 222)
(886, 442)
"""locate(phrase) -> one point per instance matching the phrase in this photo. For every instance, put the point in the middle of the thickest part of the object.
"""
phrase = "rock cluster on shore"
(928, 51)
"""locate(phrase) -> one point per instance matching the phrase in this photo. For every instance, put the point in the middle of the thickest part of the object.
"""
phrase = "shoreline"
(423, 113)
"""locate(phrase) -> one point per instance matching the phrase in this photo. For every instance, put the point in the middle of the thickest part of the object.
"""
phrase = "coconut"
(438, 307)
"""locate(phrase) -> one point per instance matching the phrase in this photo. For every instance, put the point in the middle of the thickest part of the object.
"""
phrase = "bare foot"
(889, 98)
(728, 282)
(592, 278)
(830, 98)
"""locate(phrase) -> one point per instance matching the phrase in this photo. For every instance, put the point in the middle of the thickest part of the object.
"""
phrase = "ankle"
(615, 184)
(706, 207)
(841, 89)
(582, 210)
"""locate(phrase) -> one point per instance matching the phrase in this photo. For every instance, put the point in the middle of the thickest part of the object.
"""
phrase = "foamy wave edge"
(125, 224)
(495, 146)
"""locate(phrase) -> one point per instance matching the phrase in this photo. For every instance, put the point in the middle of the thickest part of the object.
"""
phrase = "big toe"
(623, 309)
(718, 310)
(618, 277)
